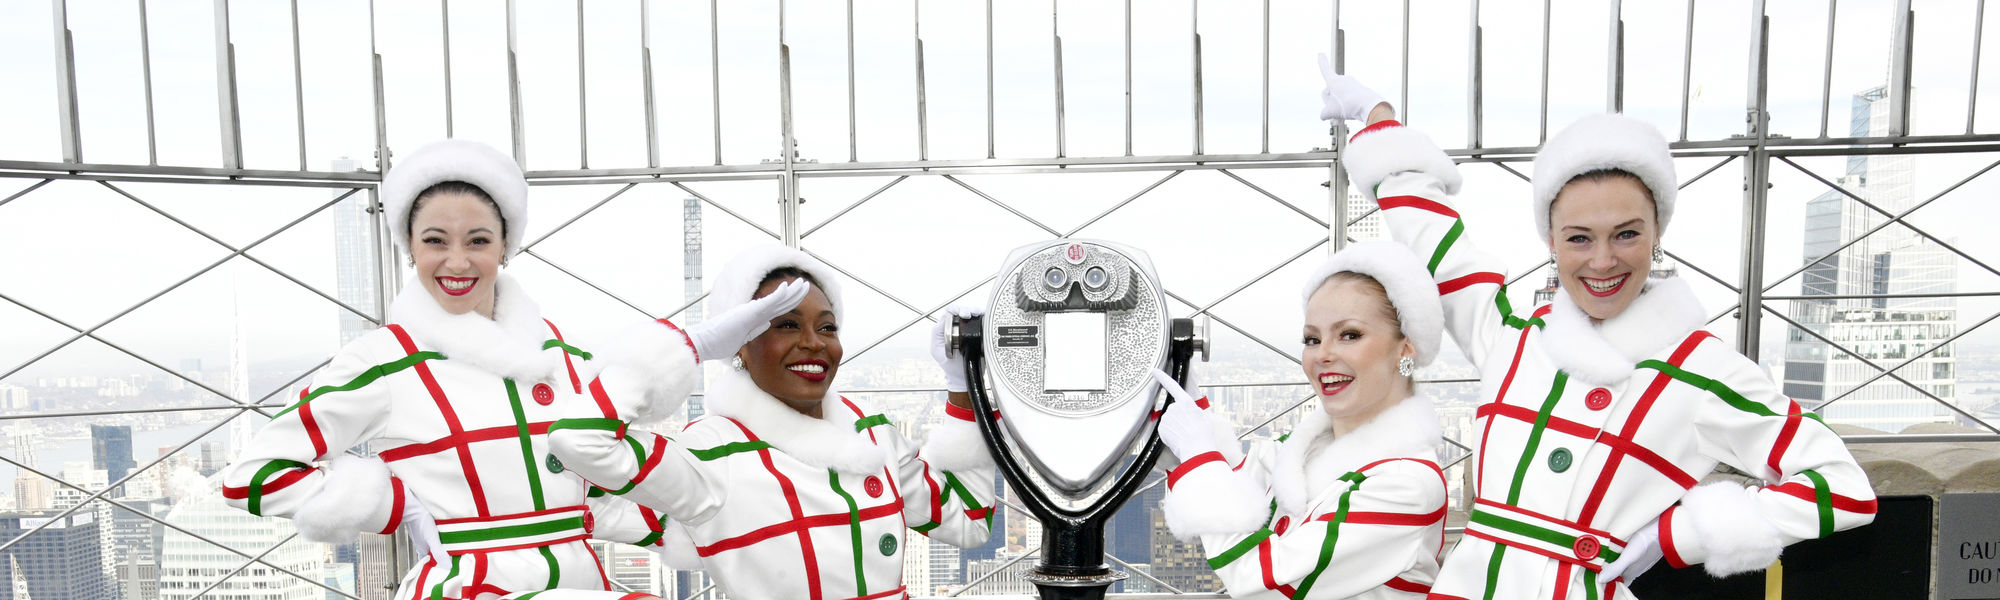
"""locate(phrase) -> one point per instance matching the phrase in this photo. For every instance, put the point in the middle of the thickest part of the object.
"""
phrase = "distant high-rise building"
(634, 569)
(1178, 564)
(1856, 274)
(354, 258)
(917, 572)
(188, 565)
(138, 574)
(80, 474)
(63, 561)
(111, 450)
(1129, 535)
(33, 492)
(947, 565)
(691, 290)
(1369, 228)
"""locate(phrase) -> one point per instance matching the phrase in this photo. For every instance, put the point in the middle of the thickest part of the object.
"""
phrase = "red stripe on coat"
(450, 421)
(574, 383)
(1459, 283)
(460, 440)
(798, 514)
(270, 487)
(1417, 202)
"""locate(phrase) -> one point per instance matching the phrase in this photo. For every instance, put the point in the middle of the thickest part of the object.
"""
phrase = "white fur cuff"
(1376, 155)
(354, 495)
(957, 446)
(648, 372)
(1212, 499)
(1722, 526)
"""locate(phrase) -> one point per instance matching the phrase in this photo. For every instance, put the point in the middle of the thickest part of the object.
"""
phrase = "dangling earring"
(1658, 254)
(1552, 257)
(1406, 366)
(736, 362)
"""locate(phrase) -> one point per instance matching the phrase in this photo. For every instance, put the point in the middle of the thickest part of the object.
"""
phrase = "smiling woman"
(465, 352)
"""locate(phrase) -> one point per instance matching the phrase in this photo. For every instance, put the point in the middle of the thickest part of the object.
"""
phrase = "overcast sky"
(82, 252)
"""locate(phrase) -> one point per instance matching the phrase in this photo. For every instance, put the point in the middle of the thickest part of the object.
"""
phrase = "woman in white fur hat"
(1602, 410)
(1359, 498)
(785, 489)
(455, 393)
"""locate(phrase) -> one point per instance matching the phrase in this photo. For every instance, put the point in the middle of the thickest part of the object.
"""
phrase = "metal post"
(989, 74)
(298, 87)
(514, 87)
(715, 74)
(1614, 100)
(788, 209)
(1756, 192)
(1545, 73)
(1403, 101)
(1826, 75)
(1055, 34)
(1687, 68)
(853, 138)
(1336, 185)
(1972, 90)
(582, 95)
(1474, 72)
(1128, 77)
(72, 139)
(146, 71)
(1900, 49)
(1194, 28)
(444, 30)
(225, 84)
(1265, 128)
(646, 82)
(382, 158)
(923, 103)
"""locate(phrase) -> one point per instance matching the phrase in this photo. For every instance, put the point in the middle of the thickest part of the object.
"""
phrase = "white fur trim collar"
(1605, 353)
(508, 345)
(827, 442)
(1408, 429)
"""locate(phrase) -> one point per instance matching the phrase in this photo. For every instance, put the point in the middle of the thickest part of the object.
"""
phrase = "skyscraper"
(111, 450)
(691, 238)
(1856, 316)
(189, 565)
(353, 259)
(63, 561)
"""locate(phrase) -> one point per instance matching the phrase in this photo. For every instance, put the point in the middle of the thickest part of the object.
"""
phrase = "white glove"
(596, 455)
(1184, 428)
(1344, 97)
(422, 528)
(953, 366)
(722, 334)
(1641, 553)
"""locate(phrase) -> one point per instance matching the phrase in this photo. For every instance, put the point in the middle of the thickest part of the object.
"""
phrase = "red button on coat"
(874, 486)
(1586, 547)
(544, 395)
(1283, 524)
(1597, 399)
(589, 524)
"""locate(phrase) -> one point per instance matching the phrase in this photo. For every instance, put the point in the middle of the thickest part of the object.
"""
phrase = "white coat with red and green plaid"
(1317, 516)
(459, 408)
(780, 505)
(1591, 431)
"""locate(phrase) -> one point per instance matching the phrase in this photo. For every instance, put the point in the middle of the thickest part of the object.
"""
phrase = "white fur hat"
(1408, 282)
(1607, 141)
(457, 160)
(738, 280)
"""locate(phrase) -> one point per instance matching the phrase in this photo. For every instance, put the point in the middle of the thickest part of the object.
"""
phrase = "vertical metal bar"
(1826, 74)
(1755, 193)
(514, 86)
(1545, 73)
(146, 71)
(72, 139)
(1128, 77)
(1403, 102)
(853, 138)
(1972, 90)
(1195, 29)
(788, 208)
(1055, 34)
(298, 86)
(923, 103)
(382, 158)
(1687, 69)
(1475, 103)
(1614, 98)
(989, 71)
(1336, 189)
(444, 30)
(1899, 69)
(582, 95)
(225, 83)
(1265, 128)
(715, 74)
(646, 80)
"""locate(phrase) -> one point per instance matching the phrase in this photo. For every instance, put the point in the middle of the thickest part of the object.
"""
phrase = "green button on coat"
(1559, 460)
(554, 464)
(888, 544)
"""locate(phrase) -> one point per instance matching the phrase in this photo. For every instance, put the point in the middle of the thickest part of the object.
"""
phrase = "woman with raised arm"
(786, 489)
(1359, 498)
(456, 393)
(1601, 411)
